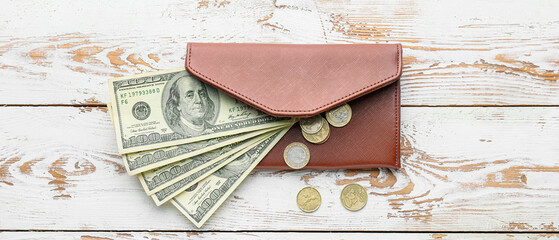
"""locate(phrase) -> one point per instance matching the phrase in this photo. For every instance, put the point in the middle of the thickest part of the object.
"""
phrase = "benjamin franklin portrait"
(188, 106)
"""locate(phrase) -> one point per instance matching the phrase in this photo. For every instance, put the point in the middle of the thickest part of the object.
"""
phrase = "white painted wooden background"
(479, 138)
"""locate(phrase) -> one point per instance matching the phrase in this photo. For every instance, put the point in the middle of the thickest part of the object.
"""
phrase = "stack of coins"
(317, 130)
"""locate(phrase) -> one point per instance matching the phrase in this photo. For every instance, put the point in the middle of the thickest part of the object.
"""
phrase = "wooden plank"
(455, 52)
(263, 235)
(464, 169)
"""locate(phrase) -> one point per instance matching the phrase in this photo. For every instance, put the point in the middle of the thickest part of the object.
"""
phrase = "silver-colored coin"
(296, 155)
(311, 125)
(339, 116)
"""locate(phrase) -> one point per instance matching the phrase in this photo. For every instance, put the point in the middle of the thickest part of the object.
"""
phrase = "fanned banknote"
(138, 162)
(159, 178)
(188, 142)
(180, 186)
(200, 202)
(171, 107)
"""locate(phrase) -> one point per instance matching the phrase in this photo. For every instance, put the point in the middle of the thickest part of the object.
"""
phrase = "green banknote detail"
(178, 187)
(138, 162)
(200, 202)
(159, 178)
(171, 107)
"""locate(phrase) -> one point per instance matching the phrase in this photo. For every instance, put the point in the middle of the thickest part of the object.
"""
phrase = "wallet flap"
(295, 80)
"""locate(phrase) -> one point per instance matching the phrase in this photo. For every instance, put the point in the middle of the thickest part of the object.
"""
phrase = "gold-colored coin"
(326, 139)
(296, 155)
(354, 197)
(311, 125)
(308, 199)
(319, 137)
(339, 116)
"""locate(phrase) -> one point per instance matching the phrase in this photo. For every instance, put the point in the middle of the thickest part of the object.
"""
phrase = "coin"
(339, 116)
(296, 155)
(354, 197)
(308, 199)
(319, 137)
(326, 139)
(311, 125)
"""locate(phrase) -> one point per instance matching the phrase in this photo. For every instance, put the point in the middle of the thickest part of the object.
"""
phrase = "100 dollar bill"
(183, 184)
(138, 162)
(200, 202)
(171, 107)
(159, 178)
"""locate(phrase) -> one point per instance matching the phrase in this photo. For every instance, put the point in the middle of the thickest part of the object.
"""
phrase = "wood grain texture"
(455, 52)
(464, 169)
(260, 235)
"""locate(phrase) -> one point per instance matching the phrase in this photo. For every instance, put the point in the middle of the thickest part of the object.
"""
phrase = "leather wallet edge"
(286, 113)
(397, 125)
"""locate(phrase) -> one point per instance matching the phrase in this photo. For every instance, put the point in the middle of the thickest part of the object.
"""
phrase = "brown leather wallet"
(298, 80)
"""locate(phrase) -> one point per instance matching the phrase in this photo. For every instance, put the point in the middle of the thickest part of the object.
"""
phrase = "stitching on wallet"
(357, 92)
